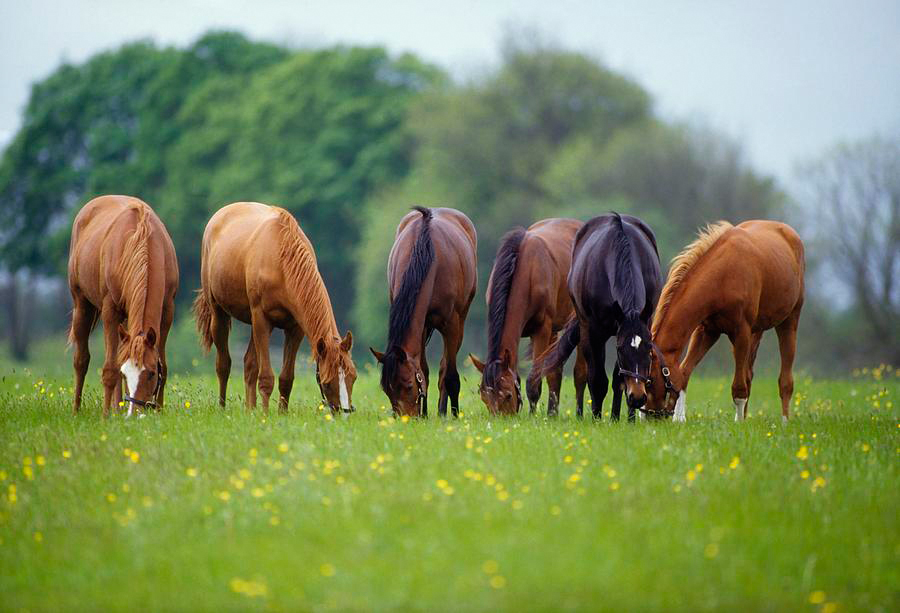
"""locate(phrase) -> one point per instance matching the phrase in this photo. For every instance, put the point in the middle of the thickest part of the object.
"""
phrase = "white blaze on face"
(345, 397)
(680, 406)
(132, 376)
(739, 405)
(636, 341)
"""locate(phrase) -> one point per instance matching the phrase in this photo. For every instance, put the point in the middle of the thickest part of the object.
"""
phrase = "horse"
(122, 269)
(527, 296)
(614, 284)
(734, 280)
(431, 279)
(259, 267)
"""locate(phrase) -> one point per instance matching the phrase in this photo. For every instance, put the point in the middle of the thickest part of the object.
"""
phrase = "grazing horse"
(734, 280)
(431, 279)
(122, 268)
(614, 284)
(527, 296)
(258, 267)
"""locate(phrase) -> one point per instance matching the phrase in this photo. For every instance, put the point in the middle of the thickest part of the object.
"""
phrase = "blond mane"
(301, 274)
(683, 263)
(134, 273)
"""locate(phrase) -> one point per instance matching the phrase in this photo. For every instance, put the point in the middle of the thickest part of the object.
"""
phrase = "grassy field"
(197, 508)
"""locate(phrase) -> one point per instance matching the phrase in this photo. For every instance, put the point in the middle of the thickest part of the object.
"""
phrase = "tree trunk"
(18, 297)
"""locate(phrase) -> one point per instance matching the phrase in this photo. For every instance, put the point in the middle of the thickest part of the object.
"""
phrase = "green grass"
(197, 508)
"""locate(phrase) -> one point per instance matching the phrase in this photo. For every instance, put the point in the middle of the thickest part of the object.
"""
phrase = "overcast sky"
(786, 78)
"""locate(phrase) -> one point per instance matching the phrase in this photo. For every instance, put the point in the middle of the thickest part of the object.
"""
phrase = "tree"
(853, 206)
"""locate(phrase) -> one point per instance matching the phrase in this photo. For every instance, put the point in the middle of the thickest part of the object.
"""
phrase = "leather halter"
(670, 389)
(149, 403)
(518, 383)
(325, 399)
(420, 391)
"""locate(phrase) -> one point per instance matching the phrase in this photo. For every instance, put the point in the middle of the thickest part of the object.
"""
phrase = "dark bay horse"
(527, 296)
(122, 269)
(258, 267)
(614, 284)
(734, 280)
(431, 280)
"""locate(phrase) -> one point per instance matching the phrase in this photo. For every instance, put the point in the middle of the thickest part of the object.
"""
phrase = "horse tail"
(203, 314)
(557, 353)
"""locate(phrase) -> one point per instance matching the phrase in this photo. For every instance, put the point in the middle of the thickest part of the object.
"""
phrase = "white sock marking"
(641, 416)
(739, 405)
(132, 376)
(345, 397)
(636, 341)
(680, 408)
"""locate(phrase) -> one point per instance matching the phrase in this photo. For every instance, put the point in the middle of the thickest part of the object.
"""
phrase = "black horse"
(614, 284)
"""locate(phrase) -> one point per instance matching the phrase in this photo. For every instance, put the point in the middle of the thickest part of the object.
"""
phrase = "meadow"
(207, 509)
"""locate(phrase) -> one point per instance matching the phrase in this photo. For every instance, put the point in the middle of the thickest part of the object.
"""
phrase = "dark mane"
(501, 282)
(404, 302)
(625, 273)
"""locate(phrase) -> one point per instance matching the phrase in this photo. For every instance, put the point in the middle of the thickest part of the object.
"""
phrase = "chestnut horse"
(735, 280)
(258, 266)
(122, 268)
(614, 284)
(527, 296)
(431, 278)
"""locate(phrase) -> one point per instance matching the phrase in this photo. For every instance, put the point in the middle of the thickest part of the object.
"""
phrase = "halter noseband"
(518, 383)
(666, 373)
(149, 403)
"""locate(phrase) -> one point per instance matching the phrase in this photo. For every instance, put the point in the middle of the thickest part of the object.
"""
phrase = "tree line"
(347, 138)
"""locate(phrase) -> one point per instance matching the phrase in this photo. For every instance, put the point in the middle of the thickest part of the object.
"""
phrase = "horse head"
(403, 380)
(141, 366)
(335, 372)
(633, 349)
(500, 387)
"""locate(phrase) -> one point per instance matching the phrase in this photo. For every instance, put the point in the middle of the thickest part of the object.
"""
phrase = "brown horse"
(122, 268)
(528, 296)
(258, 267)
(431, 278)
(735, 280)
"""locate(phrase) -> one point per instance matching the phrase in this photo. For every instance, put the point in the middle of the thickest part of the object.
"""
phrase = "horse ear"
(321, 347)
(124, 337)
(378, 355)
(347, 343)
(477, 363)
(150, 338)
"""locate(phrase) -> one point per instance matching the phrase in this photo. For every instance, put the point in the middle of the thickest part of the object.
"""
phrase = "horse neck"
(146, 314)
(513, 325)
(413, 342)
(689, 306)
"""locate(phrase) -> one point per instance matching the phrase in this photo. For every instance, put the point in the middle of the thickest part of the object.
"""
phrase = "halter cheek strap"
(324, 398)
(667, 381)
(150, 403)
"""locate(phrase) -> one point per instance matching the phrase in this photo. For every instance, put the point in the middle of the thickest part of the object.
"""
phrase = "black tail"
(557, 353)
(405, 300)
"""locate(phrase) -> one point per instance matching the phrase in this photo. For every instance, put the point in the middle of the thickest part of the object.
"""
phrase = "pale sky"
(786, 78)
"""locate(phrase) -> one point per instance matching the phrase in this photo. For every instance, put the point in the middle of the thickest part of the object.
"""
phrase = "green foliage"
(300, 512)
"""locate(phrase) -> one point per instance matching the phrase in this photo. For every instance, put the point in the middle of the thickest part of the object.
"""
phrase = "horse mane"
(134, 275)
(683, 263)
(404, 302)
(501, 282)
(624, 274)
(301, 275)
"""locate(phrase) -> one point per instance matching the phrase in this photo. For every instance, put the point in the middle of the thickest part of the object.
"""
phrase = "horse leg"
(580, 375)
(221, 325)
(83, 315)
(449, 378)
(251, 374)
(617, 396)
(425, 372)
(742, 342)
(787, 346)
(754, 347)
(701, 342)
(262, 330)
(598, 382)
(110, 376)
(165, 325)
(540, 340)
(292, 340)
